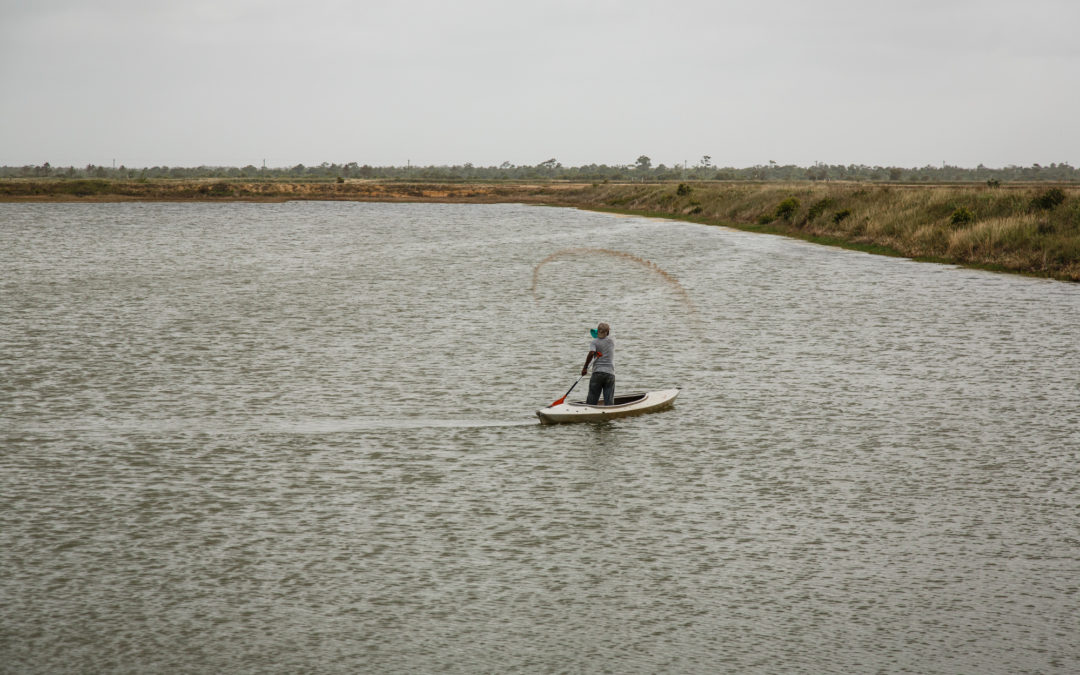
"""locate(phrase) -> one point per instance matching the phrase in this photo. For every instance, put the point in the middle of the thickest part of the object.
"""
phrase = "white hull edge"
(579, 411)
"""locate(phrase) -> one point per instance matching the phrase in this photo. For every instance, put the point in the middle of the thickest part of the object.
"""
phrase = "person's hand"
(584, 371)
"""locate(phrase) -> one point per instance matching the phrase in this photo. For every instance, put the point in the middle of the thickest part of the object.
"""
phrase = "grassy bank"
(1029, 229)
(1024, 229)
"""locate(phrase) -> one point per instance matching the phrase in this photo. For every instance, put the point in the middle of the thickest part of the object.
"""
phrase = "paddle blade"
(567, 393)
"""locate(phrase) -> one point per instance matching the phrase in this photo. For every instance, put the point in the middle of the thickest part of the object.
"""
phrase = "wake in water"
(671, 281)
(387, 424)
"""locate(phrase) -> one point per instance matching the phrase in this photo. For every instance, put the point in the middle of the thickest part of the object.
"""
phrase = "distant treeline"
(642, 170)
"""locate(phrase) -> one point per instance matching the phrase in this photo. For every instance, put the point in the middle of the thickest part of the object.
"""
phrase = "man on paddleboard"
(602, 349)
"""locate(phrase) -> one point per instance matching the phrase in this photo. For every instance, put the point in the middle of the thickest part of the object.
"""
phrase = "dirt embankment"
(100, 190)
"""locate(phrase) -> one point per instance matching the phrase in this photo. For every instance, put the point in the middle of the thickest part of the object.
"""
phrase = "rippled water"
(300, 438)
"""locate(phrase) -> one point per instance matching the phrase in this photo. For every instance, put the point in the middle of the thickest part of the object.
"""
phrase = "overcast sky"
(434, 82)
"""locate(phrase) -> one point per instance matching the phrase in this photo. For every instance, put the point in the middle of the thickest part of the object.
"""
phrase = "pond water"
(301, 437)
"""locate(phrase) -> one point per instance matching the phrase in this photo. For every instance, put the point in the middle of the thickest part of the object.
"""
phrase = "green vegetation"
(962, 216)
(787, 208)
(818, 208)
(1049, 199)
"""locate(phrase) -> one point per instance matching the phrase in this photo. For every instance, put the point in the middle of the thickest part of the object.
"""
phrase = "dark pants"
(598, 382)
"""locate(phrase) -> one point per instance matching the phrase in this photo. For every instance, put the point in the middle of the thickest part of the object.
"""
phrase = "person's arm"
(588, 360)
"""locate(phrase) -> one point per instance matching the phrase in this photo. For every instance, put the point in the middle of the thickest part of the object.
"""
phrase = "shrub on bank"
(962, 216)
(1049, 199)
(215, 190)
(84, 188)
(818, 208)
(787, 208)
(1063, 251)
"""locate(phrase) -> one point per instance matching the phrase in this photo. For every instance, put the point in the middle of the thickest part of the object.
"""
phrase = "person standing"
(602, 356)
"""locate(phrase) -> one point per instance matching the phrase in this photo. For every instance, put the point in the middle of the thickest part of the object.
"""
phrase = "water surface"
(300, 438)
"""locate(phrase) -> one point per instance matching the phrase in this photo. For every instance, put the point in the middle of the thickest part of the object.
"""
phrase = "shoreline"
(1028, 229)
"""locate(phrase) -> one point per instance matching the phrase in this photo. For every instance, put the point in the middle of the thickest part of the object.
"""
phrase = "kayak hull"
(625, 405)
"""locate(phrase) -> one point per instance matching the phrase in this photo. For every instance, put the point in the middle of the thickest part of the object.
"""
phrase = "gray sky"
(234, 82)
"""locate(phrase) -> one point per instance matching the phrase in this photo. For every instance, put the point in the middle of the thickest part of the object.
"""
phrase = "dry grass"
(999, 227)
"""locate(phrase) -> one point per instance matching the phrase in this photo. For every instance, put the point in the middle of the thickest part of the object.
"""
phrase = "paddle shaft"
(567, 392)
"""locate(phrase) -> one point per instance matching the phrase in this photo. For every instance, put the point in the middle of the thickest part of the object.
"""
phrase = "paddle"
(567, 393)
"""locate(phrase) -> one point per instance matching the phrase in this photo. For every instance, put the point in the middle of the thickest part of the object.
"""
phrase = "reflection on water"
(301, 437)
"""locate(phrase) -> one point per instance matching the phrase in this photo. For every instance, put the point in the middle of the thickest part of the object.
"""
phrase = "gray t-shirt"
(606, 362)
